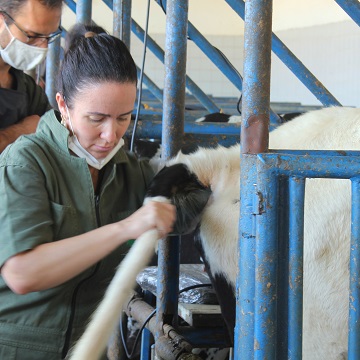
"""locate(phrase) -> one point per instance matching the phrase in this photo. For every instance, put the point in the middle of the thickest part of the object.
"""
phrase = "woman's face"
(100, 115)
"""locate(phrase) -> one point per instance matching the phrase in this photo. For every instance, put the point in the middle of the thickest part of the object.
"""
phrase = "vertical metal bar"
(265, 335)
(254, 131)
(256, 89)
(146, 336)
(283, 268)
(52, 68)
(122, 20)
(83, 11)
(354, 299)
(352, 8)
(175, 69)
(295, 285)
(245, 287)
(145, 351)
(172, 133)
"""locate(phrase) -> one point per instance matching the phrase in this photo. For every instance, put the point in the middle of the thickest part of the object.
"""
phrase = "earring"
(63, 121)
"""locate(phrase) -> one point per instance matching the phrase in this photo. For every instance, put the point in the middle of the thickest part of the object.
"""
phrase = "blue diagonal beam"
(159, 53)
(293, 63)
(219, 61)
(352, 8)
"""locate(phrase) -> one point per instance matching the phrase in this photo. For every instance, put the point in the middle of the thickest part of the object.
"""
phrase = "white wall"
(319, 32)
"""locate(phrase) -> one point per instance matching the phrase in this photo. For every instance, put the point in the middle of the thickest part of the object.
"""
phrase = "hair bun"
(89, 34)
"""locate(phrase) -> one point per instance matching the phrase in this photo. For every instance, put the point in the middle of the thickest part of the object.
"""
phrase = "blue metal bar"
(324, 164)
(256, 90)
(352, 8)
(153, 129)
(153, 88)
(145, 351)
(291, 61)
(172, 133)
(295, 284)
(265, 335)
(83, 11)
(254, 131)
(52, 68)
(159, 53)
(354, 297)
(146, 336)
(122, 20)
(71, 4)
(244, 329)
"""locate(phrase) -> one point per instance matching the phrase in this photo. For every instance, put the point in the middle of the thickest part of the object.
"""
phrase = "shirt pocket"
(65, 221)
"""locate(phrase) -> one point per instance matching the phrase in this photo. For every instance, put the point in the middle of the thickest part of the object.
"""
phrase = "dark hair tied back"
(92, 56)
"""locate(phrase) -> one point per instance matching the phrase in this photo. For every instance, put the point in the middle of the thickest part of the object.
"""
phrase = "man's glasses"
(35, 39)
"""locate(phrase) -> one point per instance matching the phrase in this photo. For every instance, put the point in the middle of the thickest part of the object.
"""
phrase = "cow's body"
(327, 222)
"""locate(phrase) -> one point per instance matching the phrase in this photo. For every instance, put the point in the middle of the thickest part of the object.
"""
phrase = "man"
(26, 28)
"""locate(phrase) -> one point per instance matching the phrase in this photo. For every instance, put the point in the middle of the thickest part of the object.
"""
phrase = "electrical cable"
(130, 355)
(141, 78)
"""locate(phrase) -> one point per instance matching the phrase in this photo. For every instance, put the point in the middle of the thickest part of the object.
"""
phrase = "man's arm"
(11, 133)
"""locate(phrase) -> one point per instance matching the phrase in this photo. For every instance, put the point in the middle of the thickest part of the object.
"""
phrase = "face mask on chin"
(22, 56)
(75, 146)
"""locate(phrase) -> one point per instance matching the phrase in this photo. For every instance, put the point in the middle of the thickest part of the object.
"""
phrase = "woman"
(70, 200)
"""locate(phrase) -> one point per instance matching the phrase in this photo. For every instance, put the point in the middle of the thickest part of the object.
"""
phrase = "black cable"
(131, 355)
(141, 79)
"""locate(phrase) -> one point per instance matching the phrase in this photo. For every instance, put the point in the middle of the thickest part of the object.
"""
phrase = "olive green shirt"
(47, 195)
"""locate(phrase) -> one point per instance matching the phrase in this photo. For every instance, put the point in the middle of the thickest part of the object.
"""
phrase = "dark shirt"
(27, 98)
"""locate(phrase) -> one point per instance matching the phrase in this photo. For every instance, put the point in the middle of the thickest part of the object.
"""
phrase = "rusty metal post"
(254, 140)
(83, 11)
(172, 133)
(122, 20)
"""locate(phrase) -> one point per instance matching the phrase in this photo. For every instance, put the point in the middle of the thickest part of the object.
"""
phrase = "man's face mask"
(22, 56)
(75, 146)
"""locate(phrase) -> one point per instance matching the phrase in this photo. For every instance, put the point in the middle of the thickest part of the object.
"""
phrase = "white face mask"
(20, 55)
(75, 146)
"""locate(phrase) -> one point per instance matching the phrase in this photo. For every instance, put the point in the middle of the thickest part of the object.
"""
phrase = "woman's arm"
(51, 264)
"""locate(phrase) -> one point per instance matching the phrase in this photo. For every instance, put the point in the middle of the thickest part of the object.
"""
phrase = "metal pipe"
(245, 285)
(254, 139)
(52, 69)
(172, 133)
(122, 20)
(352, 8)
(257, 64)
(265, 318)
(153, 128)
(295, 268)
(354, 296)
(83, 11)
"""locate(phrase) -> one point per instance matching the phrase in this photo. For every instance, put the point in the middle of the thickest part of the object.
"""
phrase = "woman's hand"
(153, 215)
